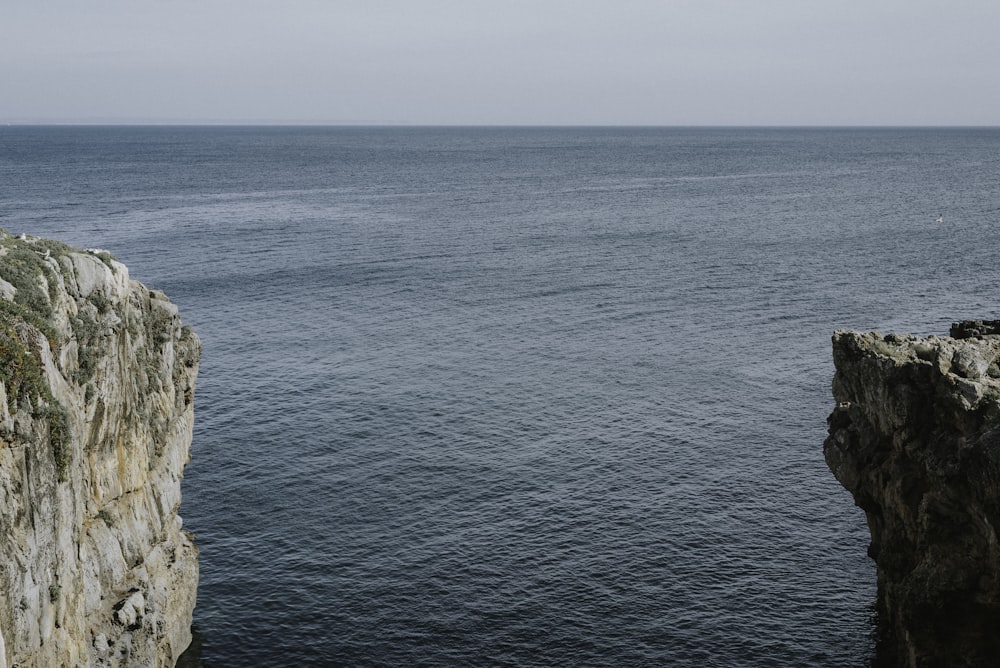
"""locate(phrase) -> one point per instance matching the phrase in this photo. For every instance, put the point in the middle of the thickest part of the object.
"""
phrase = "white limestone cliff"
(97, 379)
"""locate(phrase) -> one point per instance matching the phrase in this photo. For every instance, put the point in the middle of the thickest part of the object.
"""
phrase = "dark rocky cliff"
(915, 438)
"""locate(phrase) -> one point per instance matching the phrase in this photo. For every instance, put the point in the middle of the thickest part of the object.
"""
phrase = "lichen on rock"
(915, 438)
(97, 379)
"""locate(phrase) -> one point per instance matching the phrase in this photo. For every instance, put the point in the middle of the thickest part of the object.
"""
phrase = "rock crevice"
(97, 379)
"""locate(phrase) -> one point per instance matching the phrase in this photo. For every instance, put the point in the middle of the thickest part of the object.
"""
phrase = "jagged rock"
(130, 610)
(970, 329)
(96, 413)
(915, 438)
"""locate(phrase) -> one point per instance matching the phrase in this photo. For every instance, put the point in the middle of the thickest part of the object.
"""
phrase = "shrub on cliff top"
(28, 272)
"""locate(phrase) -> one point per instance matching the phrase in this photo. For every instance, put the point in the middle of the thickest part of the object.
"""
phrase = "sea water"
(524, 396)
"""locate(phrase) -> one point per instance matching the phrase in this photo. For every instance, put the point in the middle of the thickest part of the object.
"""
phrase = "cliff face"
(96, 412)
(916, 440)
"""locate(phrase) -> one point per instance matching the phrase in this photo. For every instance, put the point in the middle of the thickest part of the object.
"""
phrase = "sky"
(501, 62)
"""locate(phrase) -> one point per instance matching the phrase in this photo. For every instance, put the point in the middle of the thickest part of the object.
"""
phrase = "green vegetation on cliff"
(25, 266)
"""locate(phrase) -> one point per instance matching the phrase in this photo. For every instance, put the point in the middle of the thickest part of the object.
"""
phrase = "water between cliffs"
(524, 396)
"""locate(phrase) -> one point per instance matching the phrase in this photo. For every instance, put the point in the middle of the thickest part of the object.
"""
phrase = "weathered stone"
(101, 644)
(93, 445)
(130, 610)
(970, 329)
(969, 364)
(915, 438)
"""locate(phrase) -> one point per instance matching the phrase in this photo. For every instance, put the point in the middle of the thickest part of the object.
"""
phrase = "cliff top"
(970, 361)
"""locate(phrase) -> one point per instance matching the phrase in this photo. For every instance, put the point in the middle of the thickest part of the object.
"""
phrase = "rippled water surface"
(524, 396)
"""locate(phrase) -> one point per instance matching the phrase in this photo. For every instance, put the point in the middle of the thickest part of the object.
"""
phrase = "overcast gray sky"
(624, 62)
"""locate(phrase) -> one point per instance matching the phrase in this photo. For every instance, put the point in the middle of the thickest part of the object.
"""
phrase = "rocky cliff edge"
(915, 438)
(97, 379)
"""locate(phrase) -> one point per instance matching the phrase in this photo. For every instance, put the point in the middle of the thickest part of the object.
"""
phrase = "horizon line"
(404, 124)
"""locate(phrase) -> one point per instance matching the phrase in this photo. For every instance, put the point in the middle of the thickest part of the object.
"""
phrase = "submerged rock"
(97, 379)
(915, 438)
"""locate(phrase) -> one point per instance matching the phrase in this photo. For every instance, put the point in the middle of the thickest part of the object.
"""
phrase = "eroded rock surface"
(915, 438)
(96, 412)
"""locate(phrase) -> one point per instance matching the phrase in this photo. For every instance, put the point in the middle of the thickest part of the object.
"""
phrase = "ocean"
(525, 396)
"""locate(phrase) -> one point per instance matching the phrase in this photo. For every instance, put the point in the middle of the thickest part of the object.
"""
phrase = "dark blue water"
(525, 396)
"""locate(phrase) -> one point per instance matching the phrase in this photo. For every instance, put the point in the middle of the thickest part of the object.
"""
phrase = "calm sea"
(525, 396)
